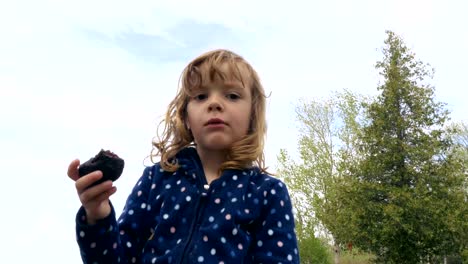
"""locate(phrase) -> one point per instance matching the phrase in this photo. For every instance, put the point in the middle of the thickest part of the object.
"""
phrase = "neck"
(211, 161)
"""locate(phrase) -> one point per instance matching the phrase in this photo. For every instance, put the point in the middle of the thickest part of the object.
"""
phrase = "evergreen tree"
(407, 187)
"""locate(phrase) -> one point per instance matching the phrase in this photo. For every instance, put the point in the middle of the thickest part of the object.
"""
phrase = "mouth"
(215, 122)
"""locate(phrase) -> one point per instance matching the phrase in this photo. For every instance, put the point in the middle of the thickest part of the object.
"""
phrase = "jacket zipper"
(198, 211)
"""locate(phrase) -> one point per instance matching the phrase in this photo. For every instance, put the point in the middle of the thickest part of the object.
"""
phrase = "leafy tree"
(459, 133)
(406, 192)
(393, 181)
(459, 153)
(327, 147)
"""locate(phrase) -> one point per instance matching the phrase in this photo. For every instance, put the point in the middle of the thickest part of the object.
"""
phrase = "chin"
(217, 147)
(216, 144)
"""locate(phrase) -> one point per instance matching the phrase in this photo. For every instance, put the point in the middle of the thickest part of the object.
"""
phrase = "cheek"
(189, 121)
(246, 121)
(192, 125)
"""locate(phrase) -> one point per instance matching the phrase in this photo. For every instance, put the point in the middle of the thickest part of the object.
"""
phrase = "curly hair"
(244, 153)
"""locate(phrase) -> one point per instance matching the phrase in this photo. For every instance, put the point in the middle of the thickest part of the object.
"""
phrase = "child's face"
(219, 113)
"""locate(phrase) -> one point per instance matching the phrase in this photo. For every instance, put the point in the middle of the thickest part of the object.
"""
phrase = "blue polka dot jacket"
(242, 217)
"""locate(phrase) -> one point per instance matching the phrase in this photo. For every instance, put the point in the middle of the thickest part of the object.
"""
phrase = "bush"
(313, 250)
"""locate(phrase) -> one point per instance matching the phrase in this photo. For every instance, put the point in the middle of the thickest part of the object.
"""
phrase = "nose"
(215, 103)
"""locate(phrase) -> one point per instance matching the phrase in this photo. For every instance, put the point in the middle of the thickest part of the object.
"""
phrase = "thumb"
(73, 170)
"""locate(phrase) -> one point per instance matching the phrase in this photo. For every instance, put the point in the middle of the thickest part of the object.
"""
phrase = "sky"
(78, 76)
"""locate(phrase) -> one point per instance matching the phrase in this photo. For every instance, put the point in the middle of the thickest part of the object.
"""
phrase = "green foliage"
(458, 154)
(356, 256)
(387, 174)
(328, 147)
(409, 185)
(459, 149)
(313, 250)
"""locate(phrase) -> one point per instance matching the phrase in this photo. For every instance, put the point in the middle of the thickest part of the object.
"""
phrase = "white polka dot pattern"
(244, 216)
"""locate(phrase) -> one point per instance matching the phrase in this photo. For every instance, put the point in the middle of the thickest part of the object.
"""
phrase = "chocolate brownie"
(106, 161)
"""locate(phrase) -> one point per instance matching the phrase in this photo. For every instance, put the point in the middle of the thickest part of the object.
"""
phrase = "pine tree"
(406, 185)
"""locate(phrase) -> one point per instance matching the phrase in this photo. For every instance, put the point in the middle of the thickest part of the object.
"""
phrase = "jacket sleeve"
(274, 237)
(122, 241)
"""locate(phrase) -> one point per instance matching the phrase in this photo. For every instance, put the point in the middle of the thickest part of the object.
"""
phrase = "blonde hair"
(244, 153)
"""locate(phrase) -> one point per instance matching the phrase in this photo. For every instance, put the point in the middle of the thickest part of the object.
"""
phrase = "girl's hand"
(95, 200)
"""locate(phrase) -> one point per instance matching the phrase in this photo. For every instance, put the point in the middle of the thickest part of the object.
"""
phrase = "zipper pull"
(206, 187)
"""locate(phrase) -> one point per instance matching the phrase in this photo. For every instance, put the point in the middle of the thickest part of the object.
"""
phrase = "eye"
(232, 96)
(200, 97)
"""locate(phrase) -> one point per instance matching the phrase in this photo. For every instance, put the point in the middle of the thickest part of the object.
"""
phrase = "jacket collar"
(189, 160)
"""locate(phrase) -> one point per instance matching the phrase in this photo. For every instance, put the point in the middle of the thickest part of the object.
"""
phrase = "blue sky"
(78, 76)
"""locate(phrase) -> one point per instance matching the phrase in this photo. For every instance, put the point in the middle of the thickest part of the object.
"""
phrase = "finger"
(92, 193)
(73, 169)
(105, 196)
(82, 183)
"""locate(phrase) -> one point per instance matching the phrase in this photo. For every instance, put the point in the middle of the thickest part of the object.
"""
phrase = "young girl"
(209, 198)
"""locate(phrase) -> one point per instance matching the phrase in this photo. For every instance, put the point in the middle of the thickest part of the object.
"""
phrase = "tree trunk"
(337, 253)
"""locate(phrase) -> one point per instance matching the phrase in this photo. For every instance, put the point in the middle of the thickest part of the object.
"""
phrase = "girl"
(209, 199)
